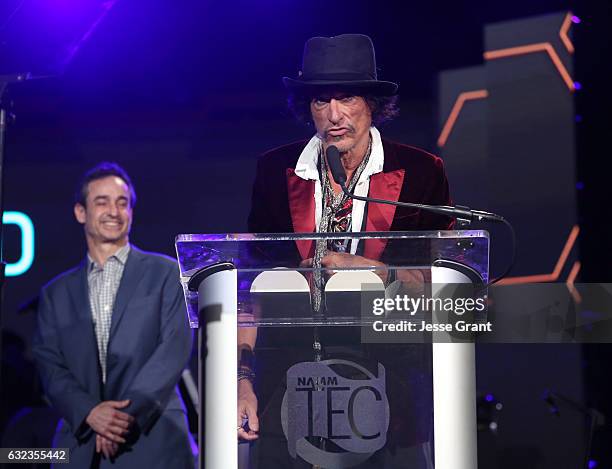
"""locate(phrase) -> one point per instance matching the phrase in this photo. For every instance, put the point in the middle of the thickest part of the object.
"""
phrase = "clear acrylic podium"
(330, 396)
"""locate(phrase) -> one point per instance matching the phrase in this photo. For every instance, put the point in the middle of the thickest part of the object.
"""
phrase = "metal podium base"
(217, 361)
(454, 385)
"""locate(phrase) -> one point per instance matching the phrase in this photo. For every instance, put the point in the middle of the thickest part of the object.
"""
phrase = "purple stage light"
(575, 19)
(592, 464)
(580, 185)
(489, 398)
(577, 85)
(45, 39)
(578, 118)
(194, 446)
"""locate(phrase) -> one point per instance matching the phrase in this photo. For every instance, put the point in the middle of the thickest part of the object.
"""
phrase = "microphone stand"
(464, 215)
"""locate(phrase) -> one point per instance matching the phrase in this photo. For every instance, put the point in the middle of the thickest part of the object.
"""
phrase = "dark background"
(185, 95)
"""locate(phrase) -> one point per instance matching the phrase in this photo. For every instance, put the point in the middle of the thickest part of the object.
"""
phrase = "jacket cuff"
(77, 420)
(144, 410)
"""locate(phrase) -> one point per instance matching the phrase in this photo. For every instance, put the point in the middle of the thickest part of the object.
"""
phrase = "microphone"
(464, 215)
(335, 165)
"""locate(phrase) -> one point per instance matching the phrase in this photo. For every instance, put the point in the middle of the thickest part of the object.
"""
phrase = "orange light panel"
(567, 22)
(529, 49)
(554, 275)
(454, 114)
(570, 282)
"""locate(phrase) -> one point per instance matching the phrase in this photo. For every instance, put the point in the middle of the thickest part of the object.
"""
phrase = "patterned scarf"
(336, 217)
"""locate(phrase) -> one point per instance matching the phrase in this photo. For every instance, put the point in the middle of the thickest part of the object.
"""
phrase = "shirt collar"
(306, 167)
(121, 255)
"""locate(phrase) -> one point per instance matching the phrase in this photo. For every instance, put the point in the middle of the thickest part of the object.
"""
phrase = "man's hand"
(109, 422)
(247, 409)
(106, 447)
(343, 260)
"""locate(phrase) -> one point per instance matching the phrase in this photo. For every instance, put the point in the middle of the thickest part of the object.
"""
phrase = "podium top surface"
(392, 253)
(238, 237)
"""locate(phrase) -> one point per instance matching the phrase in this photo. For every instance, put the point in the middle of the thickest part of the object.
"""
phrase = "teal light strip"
(27, 242)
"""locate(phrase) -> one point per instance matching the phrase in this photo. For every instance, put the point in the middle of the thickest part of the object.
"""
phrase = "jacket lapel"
(387, 186)
(79, 295)
(302, 208)
(133, 272)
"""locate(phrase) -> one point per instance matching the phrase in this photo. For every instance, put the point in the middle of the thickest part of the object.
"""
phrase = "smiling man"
(112, 340)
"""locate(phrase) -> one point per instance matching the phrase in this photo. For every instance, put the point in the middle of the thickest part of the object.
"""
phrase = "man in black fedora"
(338, 92)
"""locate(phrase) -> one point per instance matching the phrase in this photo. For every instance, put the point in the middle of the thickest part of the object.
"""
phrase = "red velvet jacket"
(284, 203)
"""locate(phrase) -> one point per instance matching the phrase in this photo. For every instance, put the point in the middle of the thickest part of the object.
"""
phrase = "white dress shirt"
(307, 168)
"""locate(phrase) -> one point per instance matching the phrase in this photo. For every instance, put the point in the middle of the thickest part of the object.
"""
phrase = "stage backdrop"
(186, 97)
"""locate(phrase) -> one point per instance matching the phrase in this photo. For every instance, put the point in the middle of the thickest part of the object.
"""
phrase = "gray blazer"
(149, 345)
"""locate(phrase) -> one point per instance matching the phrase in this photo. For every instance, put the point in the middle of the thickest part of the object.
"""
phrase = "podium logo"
(335, 413)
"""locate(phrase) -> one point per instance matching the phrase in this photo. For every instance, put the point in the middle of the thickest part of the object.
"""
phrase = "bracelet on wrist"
(245, 373)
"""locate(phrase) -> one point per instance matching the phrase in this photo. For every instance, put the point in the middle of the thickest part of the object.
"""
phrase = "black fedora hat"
(345, 61)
